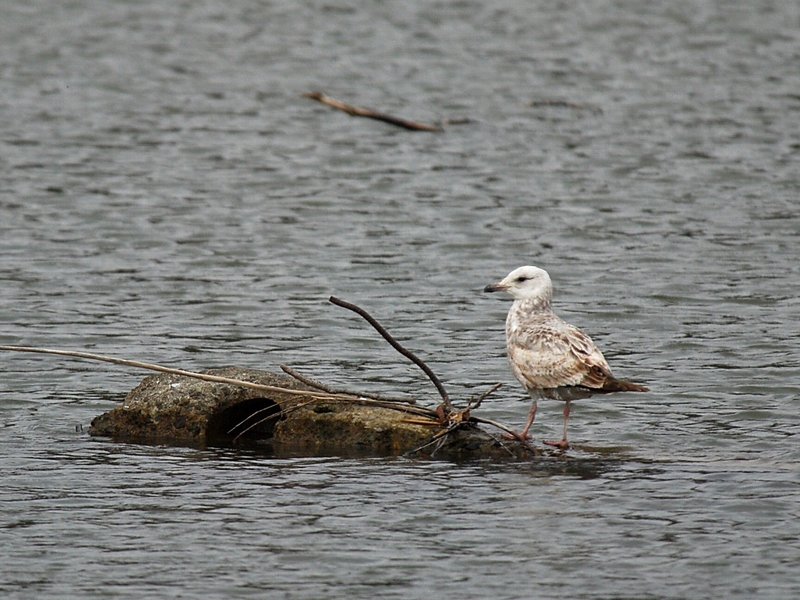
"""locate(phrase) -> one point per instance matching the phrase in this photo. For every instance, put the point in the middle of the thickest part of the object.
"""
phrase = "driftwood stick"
(319, 396)
(153, 367)
(441, 436)
(435, 438)
(502, 443)
(396, 345)
(565, 104)
(315, 396)
(321, 386)
(440, 445)
(473, 404)
(414, 410)
(303, 379)
(358, 111)
(411, 409)
(513, 434)
(275, 415)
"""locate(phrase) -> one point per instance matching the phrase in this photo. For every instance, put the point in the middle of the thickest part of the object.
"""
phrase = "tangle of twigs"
(445, 416)
(397, 346)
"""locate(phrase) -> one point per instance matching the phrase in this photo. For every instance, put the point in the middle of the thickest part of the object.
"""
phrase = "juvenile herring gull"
(549, 357)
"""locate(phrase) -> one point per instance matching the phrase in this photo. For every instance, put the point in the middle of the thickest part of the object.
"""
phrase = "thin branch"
(414, 410)
(315, 396)
(154, 367)
(508, 430)
(396, 345)
(271, 407)
(500, 442)
(358, 111)
(277, 415)
(438, 436)
(442, 435)
(321, 386)
(473, 404)
(303, 379)
(441, 444)
(500, 426)
(565, 104)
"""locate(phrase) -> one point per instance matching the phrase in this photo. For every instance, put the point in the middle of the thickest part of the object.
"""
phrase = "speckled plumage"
(550, 357)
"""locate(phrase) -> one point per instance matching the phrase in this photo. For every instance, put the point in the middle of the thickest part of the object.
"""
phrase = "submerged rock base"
(171, 409)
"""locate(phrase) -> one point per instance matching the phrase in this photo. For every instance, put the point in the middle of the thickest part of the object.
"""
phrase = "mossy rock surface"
(171, 409)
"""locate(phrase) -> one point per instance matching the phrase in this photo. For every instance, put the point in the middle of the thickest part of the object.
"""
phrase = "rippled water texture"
(167, 194)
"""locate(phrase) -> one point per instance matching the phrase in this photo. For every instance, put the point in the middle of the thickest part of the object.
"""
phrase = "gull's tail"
(618, 385)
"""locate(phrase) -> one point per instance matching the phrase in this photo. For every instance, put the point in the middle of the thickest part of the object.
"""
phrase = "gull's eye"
(521, 278)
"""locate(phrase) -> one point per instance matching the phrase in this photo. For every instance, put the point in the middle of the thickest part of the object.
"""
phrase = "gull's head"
(525, 283)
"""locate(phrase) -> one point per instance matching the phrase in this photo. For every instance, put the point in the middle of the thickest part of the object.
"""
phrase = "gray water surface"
(167, 194)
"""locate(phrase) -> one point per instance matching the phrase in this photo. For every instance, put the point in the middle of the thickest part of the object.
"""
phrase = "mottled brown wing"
(594, 364)
(553, 357)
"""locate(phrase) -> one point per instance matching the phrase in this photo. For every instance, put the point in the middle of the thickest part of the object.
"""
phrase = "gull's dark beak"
(495, 287)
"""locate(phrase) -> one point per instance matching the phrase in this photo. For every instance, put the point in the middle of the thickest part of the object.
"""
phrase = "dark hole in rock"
(225, 425)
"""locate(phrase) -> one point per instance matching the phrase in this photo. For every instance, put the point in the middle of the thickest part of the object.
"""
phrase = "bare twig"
(277, 415)
(473, 404)
(513, 434)
(454, 419)
(500, 426)
(440, 445)
(357, 111)
(438, 436)
(502, 443)
(303, 379)
(325, 388)
(441, 436)
(319, 396)
(414, 410)
(398, 406)
(271, 407)
(565, 104)
(396, 345)
(161, 369)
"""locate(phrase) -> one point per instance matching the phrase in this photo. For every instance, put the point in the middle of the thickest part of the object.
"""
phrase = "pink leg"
(531, 418)
(563, 444)
(523, 435)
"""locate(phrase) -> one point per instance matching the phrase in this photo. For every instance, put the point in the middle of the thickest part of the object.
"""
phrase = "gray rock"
(171, 409)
